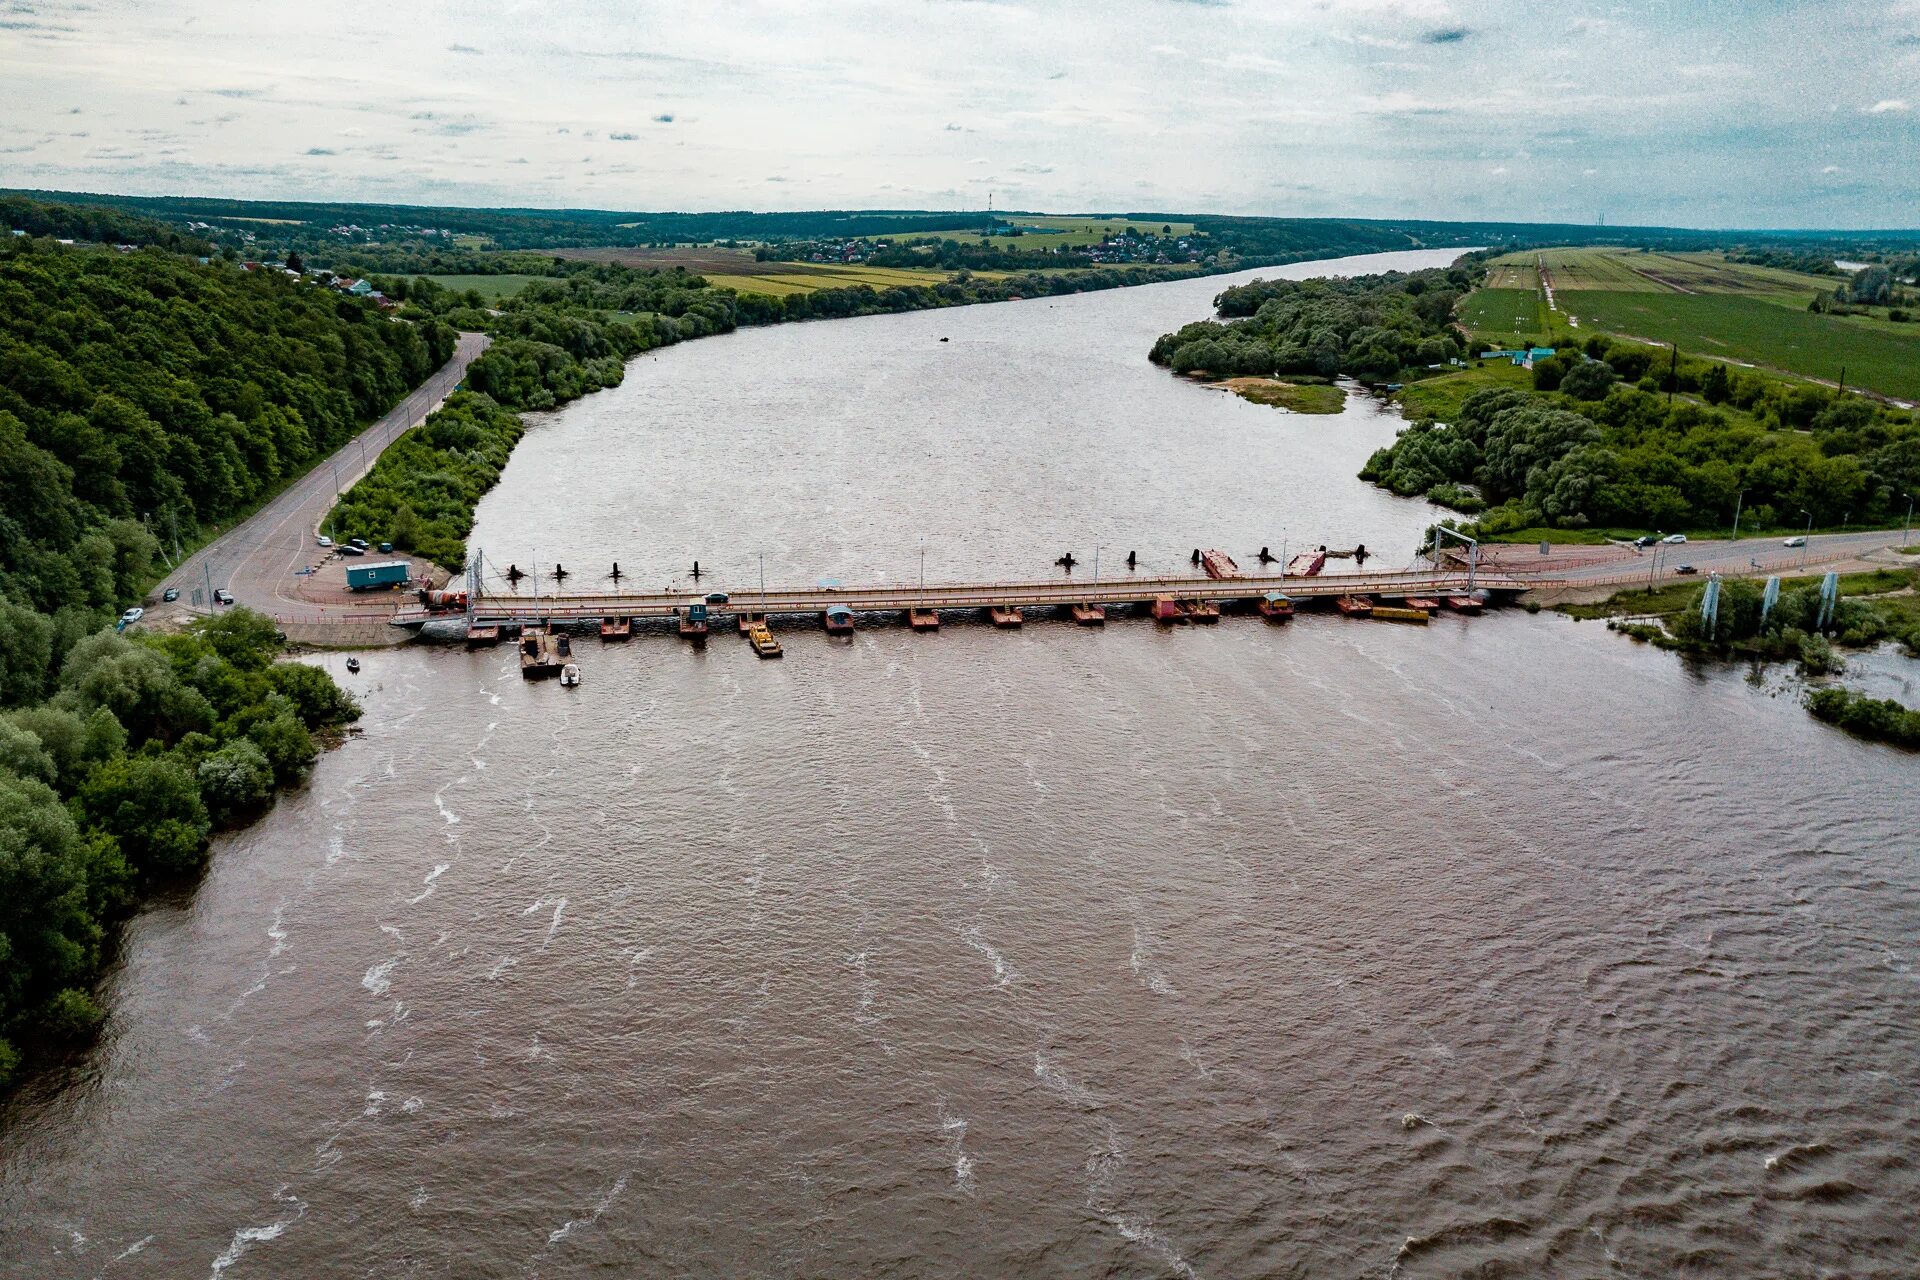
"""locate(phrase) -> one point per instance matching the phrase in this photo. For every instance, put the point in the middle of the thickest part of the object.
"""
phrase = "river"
(1501, 946)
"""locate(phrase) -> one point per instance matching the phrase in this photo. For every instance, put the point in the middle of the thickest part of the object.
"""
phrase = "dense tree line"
(144, 397)
(113, 786)
(421, 494)
(1611, 448)
(1368, 326)
(1876, 719)
(95, 224)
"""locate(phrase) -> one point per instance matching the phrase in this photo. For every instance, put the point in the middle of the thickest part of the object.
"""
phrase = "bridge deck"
(893, 597)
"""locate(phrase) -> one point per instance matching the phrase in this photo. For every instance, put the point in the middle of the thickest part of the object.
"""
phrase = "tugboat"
(760, 636)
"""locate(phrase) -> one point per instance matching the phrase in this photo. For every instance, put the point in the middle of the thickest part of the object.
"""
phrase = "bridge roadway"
(898, 597)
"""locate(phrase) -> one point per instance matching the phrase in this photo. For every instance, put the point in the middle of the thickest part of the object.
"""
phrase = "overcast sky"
(1685, 112)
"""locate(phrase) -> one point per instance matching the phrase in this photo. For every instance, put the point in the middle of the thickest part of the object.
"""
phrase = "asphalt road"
(256, 559)
(1745, 556)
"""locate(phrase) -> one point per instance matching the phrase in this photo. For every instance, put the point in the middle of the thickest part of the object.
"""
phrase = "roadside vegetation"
(112, 787)
(421, 494)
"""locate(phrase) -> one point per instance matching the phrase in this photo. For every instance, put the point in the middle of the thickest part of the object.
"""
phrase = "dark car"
(1685, 568)
(716, 597)
(348, 549)
(223, 596)
(170, 595)
(1645, 540)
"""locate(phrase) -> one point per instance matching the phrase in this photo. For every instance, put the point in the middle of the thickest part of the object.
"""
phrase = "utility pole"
(1908, 526)
(1736, 514)
(1673, 374)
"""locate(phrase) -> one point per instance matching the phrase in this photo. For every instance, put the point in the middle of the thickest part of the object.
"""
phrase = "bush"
(1876, 719)
(70, 1015)
(235, 780)
(1589, 381)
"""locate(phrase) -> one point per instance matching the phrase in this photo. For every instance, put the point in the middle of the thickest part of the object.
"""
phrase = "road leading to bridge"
(256, 559)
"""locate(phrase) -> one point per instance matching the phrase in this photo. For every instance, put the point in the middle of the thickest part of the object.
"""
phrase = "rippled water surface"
(1500, 947)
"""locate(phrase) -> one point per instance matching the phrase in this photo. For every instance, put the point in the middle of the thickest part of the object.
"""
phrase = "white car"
(1674, 538)
(1797, 540)
(132, 616)
(324, 540)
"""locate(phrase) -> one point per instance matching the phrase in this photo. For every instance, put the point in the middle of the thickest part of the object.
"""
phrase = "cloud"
(321, 151)
(1445, 35)
(1887, 106)
(462, 48)
(1498, 171)
(237, 93)
(1832, 168)
(622, 137)
(954, 128)
(665, 117)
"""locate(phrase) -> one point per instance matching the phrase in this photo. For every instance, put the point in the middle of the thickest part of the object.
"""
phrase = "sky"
(1709, 113)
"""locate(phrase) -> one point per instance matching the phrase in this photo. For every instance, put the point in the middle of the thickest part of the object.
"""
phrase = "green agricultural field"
(492, 288)
(1736, 327)
(1505, 314)
(805, 277)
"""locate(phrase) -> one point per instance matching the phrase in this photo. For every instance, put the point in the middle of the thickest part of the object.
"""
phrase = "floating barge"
(838, 620)
(1395, 613)
(760, 637)
(1200, 610)
(616, 628)
(748, 621)
(1427, 603)
(481, 637)
(1463, 604)
(1167, 609)
(1219, 564)
(693, 621)
(1307, 564)
(1354, 606)
(542, 653)
(1090, 615)
(1276, 606)
(923, 619)
(1004, 616)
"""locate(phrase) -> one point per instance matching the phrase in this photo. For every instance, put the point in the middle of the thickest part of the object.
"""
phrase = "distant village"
(1130, 246)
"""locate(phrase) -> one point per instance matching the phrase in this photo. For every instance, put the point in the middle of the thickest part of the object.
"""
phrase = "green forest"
(113, 785)
(1609, 436)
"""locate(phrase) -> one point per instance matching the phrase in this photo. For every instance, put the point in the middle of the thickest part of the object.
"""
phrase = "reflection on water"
(1497, 947)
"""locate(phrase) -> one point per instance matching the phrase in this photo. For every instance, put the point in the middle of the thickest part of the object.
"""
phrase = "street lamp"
(1804, 548)
(1905, 528)
(1096, 564)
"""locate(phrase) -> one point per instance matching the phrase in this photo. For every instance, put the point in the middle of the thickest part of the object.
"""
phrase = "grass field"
(1755, 331)
(1631, 271)
(1515, 271)
(1440, 398)
(1312, 397)
(805, 277)
(492, 288)
(1505, 314)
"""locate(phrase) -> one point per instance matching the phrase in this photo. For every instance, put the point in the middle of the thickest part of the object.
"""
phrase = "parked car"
(132, 616)
(348, 549)
(716, 597)
(360, 543)
(222, 596)
(1674, 538)
(1645, 540)
(386, 548)
(324, 540)
(170, 595)
(1797, 540)
(1685, 568)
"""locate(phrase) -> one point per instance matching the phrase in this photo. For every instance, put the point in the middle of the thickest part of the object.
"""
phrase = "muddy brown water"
(1501, 946)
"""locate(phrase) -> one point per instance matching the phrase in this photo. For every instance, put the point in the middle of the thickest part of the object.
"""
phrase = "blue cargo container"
(370, 577)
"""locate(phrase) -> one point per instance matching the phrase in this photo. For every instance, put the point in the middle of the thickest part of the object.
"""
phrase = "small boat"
(1219, 564)
(1427, 603)
(924, 619)
(570, 674)
(1354, 606)
(1090, 615)
(1463, 604)
(1165, 609)
(1004, 616)
(838, 620)
(693, 620)
(1395, 613)
(1276, 606)
(353, 664)
(760, 636)
(616, 628)
(1200, 610)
